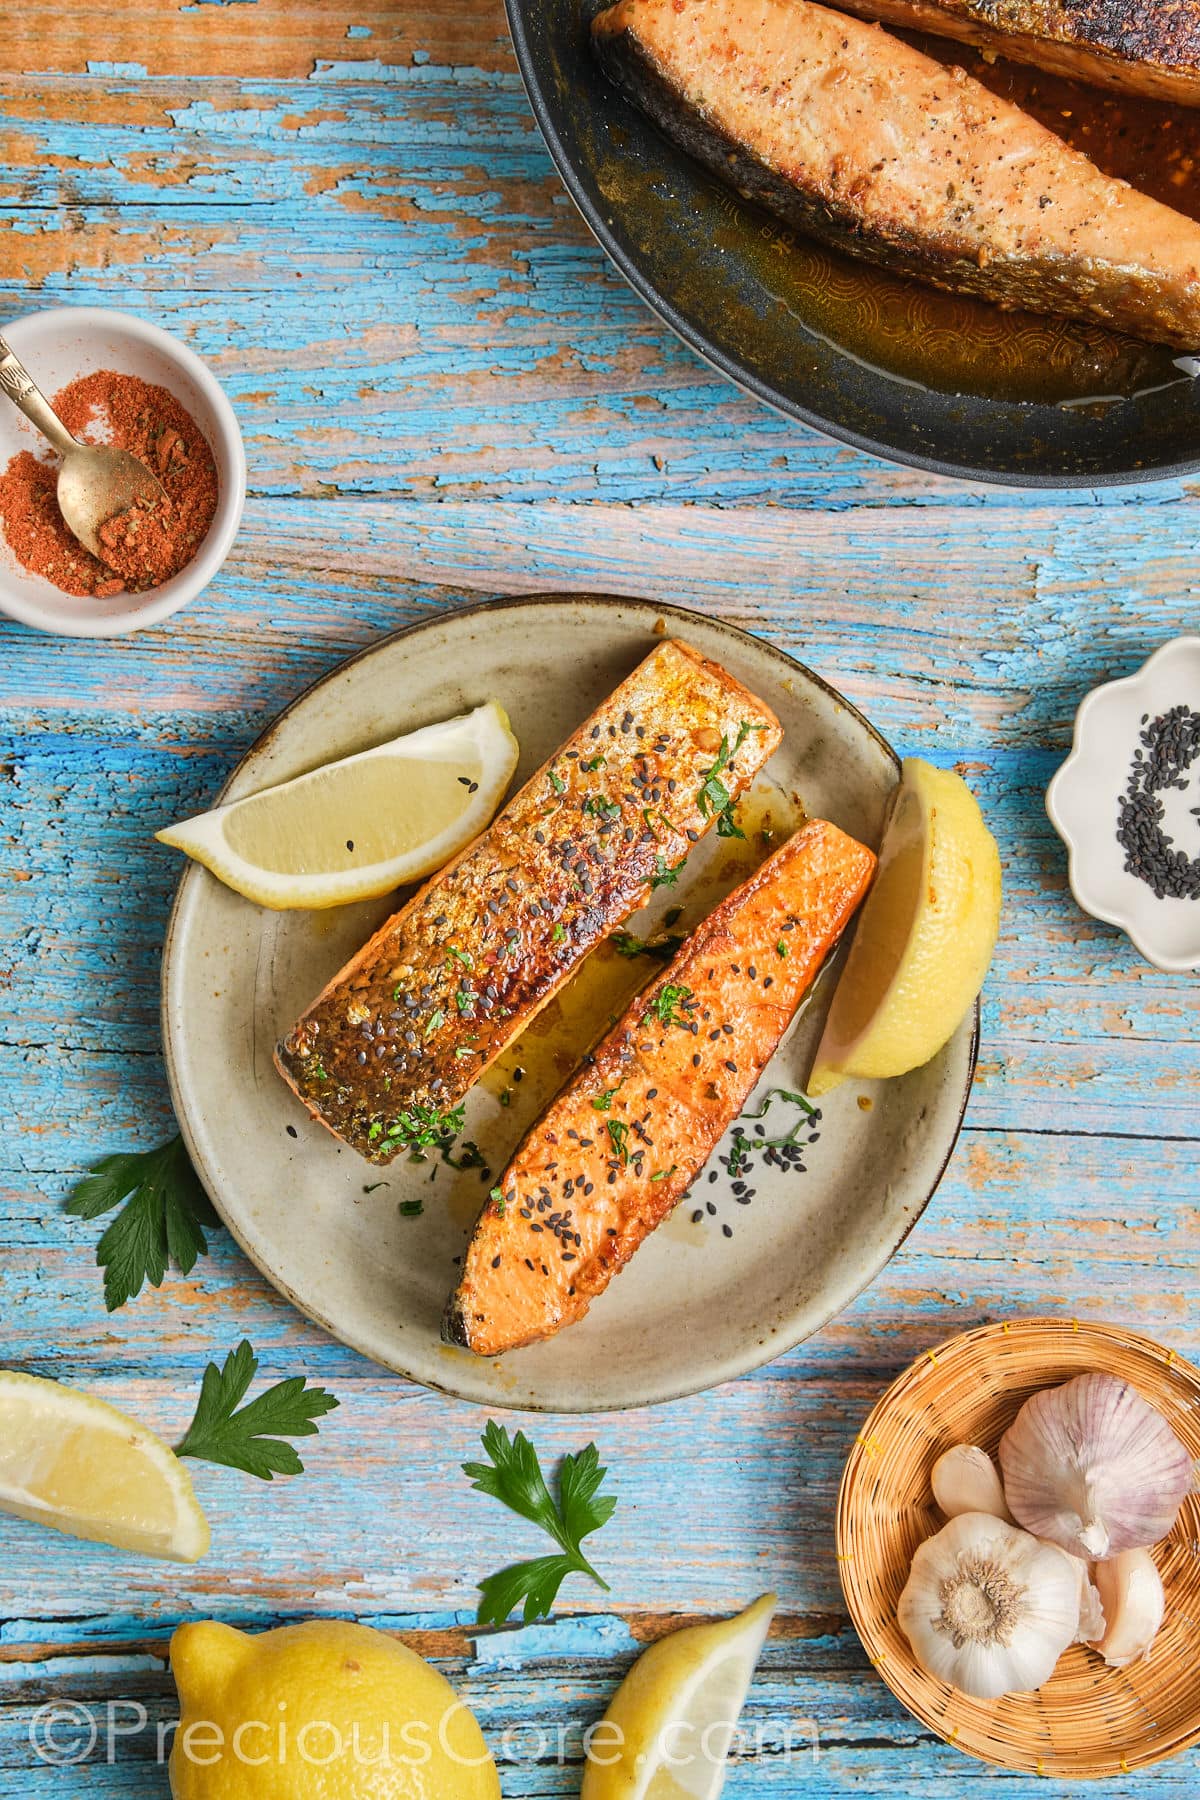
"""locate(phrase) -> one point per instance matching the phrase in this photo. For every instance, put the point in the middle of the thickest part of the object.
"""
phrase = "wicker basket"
(1089, 1720)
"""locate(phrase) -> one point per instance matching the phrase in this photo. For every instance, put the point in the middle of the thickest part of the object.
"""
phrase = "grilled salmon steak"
(858, 139)
(627, 1136)
(386, 1053)
(1150, 47)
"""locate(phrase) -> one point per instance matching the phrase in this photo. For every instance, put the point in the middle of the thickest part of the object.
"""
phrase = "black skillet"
(953, 386)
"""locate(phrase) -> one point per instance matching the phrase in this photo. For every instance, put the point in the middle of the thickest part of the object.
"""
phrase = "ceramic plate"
(697, 1305)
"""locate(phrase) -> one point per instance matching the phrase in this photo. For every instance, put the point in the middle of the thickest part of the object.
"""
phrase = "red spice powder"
(147, 547)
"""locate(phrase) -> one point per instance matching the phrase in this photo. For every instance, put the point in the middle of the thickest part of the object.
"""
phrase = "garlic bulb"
(987, 1608)
(965, 1480)
(1131, 1592)
(1094, 1468)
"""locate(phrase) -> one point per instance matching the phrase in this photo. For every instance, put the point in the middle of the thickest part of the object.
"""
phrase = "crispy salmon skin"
(629, 1133)
(858, 139)
(1149, 47)
(385, 1054)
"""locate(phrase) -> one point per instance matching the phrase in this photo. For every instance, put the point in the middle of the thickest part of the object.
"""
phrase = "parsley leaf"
(557, 782)
(663, 876)
(164, 1219)
(514, 1477)
(251, 1439)
(602, 1102)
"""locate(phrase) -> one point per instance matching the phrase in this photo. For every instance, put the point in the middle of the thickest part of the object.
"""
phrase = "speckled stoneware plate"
(696, 1306)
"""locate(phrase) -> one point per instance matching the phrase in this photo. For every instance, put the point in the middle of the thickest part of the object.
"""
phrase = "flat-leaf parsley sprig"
(251, 1437)
(514, 1477)
(163, 1220)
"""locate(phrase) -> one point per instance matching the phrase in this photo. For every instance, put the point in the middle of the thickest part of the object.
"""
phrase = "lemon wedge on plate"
(75, 1463)
(672, 1719)
(363, 826)
(924, 938)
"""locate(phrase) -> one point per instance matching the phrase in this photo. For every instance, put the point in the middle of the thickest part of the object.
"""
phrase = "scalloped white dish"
(1084, 798)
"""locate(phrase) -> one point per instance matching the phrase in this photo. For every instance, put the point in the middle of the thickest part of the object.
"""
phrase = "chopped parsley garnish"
(600, 808)
(558, 934)
(464, 999)
(619, 1137)
(597, 762)
(661, 1174)
(435, 1019)
(557, 782)
(625, 944)
(422, 1127)
(497, 1195)
(781, 948)
(742, 1147)
(663, 876)
(602, 1102)
(671, 996)
(462, 956)
(411, 1209)
(713, 797)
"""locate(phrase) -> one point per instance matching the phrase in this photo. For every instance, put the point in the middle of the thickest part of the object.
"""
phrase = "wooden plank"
(252, 38)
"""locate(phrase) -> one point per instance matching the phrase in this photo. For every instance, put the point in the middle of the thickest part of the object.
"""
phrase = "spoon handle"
(24, 392)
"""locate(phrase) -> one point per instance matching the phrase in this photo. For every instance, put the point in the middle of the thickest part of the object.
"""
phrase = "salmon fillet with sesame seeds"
(1149, 47)
(386, 1053)
(854, 137)
(626, 1138)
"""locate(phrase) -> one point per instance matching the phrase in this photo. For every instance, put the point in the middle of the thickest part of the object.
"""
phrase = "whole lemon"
(319, 1711)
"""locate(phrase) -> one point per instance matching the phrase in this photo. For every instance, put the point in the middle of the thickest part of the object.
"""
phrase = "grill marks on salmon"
(625, 1139)
(1149, 47)
(854, 137)
(391, 1046)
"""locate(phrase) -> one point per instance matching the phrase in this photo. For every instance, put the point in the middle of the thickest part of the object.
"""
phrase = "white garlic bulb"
(965, 1480)
(1094, 1468)
(989, 1609)
(1131, 1593)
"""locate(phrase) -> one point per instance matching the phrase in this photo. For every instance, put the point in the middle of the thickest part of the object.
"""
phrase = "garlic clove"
(1094, 1468)
(987, 1608)
(1131, 1593)
(1091, 1607)
(965, 1479)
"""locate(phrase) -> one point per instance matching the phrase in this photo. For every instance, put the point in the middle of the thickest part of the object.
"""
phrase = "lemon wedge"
(924, 938)
(672, 1719)
(75, 1463)
(363, 826)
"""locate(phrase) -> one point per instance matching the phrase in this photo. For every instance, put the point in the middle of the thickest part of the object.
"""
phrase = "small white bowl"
(1083, 803)
(57, 347)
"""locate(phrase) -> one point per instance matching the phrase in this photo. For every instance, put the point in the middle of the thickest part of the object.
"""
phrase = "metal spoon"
(95, 481)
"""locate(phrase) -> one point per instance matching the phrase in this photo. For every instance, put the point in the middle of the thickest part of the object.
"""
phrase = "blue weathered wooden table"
(445, 391)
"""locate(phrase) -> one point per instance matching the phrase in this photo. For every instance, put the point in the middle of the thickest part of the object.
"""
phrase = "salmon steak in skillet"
(854, 137)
